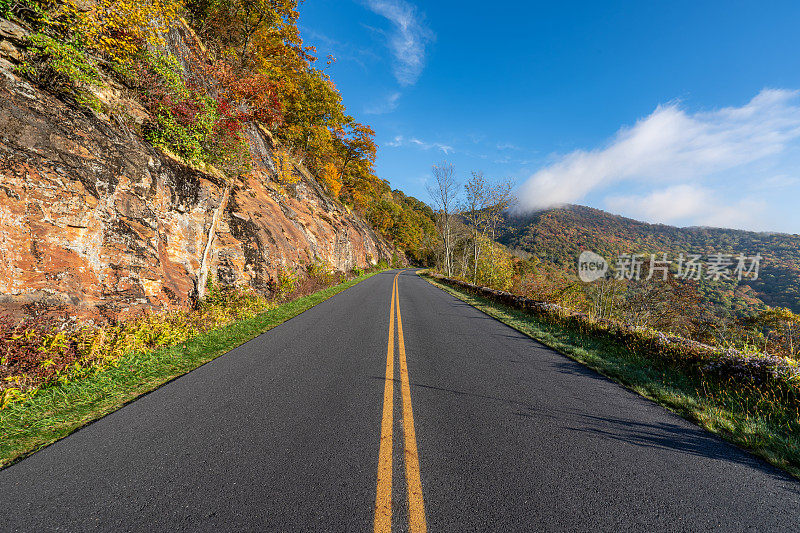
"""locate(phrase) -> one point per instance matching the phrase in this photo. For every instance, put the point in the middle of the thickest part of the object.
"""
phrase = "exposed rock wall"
(268, 226)
(97, 223)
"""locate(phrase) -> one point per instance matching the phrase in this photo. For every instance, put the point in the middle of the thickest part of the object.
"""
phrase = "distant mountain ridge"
(559, 235)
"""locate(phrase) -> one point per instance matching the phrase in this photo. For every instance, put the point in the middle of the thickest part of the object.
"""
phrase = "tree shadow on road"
(679, 436)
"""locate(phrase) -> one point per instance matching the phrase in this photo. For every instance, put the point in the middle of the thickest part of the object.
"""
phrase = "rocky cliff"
(97, 223)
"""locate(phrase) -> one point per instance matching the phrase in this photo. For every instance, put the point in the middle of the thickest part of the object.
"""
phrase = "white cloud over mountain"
(675, 161)
(689, 203)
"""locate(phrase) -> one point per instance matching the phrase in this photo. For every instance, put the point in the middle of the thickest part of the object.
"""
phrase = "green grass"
(55, 412)
(757, 419)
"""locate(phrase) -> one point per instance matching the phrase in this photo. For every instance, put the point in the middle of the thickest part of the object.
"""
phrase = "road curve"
(285, 434)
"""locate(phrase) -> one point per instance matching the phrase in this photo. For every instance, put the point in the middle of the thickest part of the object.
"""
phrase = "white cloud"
(668, 205)
(408, 40)
(387, 105)
(780, 181)
(672, 146)
(400, 140)
(682, 204)
(507, 146)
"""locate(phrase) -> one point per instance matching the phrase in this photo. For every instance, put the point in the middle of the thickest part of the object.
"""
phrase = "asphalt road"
(284, 434)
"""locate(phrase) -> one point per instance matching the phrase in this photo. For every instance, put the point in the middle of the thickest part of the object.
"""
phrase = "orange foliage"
(330, 178)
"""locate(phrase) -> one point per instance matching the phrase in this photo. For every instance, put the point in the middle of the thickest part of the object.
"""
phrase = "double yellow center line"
(383, 499)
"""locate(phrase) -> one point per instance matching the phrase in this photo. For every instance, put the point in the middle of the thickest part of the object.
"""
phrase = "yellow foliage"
(495, 266)
(99, 348)
(321, 270)
(118, 28)
(330, 178)
(11, 395)
(286, 282)
(284, 168)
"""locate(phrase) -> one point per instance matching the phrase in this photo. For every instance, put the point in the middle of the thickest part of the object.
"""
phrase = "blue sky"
(679, 112)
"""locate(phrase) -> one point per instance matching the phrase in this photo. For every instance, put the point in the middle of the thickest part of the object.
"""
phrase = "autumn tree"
(258, 32)
(780, 325)
(495, 269)
(476, 198)
(483, 208)
(313, 116)
(444, 195)
(115, 29)
(499, 197)
(604, 296)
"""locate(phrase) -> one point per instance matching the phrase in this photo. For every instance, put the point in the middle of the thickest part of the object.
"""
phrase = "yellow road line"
(416, 505)
(383, 499)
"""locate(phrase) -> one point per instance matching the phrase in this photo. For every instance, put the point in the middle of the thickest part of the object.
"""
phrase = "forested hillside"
(150, 147)
(558, 236)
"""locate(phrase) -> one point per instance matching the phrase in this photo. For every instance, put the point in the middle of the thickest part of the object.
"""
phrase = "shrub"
(37, 354)
(6, 8)
(30, 353)
(16, 8)
(186, 120)
(63, 68)
(284, 283)
(321, 271)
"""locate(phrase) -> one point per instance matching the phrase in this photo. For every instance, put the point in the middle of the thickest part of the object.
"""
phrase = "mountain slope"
(559, 235)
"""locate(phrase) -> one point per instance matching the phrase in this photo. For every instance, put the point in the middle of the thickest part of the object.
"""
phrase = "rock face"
(97, 223)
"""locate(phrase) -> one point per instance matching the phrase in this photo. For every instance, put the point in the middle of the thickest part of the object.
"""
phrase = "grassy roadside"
(747, 417)
(55, 412)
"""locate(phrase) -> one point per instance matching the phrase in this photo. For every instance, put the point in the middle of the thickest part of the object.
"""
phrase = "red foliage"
(239, 96)
(21, 349)
(247, 95)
